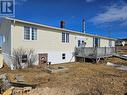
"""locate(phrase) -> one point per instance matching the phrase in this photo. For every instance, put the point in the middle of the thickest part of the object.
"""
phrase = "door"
(96, 42)
(43, 59)
(79, 41)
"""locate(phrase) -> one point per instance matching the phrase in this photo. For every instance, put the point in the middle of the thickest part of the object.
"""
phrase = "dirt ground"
(79, 79)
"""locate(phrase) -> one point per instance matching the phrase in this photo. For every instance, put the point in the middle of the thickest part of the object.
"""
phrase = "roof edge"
(62, 29)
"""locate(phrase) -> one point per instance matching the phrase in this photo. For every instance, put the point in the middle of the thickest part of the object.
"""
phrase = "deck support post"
(84, 59)
(105, 50)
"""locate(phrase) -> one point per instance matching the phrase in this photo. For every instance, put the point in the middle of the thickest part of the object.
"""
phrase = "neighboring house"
(121, 42)
(57, 44)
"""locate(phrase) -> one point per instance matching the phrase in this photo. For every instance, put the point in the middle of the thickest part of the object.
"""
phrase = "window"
(96, 42)
(24, 58)
(34, 33)
(110, 43)
(79, 43)
(63, 56)
(27, 33)
(30, 33)
(65, 37)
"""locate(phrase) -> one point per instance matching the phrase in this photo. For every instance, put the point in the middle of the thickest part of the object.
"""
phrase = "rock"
(3, 77)
(19, 78)
(1, 61)
(8, 91)
(5, 82)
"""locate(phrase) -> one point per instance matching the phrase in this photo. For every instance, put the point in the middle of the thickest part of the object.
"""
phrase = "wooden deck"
(94, 52)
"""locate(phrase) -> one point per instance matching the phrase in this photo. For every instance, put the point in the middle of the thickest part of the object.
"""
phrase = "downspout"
(12, 24)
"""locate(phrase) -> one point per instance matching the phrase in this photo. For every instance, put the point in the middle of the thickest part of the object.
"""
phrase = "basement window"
(24, 58)
(63, 56)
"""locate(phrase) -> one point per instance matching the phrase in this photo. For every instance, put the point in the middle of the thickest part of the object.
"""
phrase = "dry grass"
(81, 78)
(117, 61)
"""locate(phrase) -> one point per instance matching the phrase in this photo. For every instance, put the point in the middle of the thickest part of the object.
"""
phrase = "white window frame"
(25, 38)
(33, 33)
(30, 35)
(65, 37)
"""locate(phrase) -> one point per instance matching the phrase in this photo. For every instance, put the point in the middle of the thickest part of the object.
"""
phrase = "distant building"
(121, 42)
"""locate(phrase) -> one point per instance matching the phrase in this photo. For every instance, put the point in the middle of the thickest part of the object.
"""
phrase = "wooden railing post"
(105, 50)
(96, 51)
(115, 49)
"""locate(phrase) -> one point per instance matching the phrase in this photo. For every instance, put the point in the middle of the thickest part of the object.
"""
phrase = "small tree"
(17, 55)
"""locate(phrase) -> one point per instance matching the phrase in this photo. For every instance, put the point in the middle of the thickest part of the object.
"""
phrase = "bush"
(23, 58)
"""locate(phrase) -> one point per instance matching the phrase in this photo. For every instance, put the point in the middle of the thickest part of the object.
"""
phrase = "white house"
(57, 44)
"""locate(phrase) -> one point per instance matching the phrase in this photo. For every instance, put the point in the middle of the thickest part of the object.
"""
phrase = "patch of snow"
(112, 64)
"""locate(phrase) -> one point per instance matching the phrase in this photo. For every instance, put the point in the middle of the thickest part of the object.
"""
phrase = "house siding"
(49, 41)
(104, 43)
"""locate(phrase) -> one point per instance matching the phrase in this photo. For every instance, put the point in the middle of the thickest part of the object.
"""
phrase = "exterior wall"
(50, 41)
(113, 43)
(104, 43)
(88, 40)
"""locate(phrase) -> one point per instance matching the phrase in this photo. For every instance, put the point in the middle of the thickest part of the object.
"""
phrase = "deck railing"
(94, 51)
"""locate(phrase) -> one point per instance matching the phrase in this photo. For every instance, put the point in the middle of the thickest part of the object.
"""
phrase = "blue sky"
(103, 17)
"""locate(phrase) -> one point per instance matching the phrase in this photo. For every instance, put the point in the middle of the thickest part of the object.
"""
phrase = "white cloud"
(88, 1)
(111, 14)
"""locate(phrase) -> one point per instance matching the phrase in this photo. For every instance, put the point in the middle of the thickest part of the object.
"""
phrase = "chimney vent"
(83, 26)
(62, 24)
